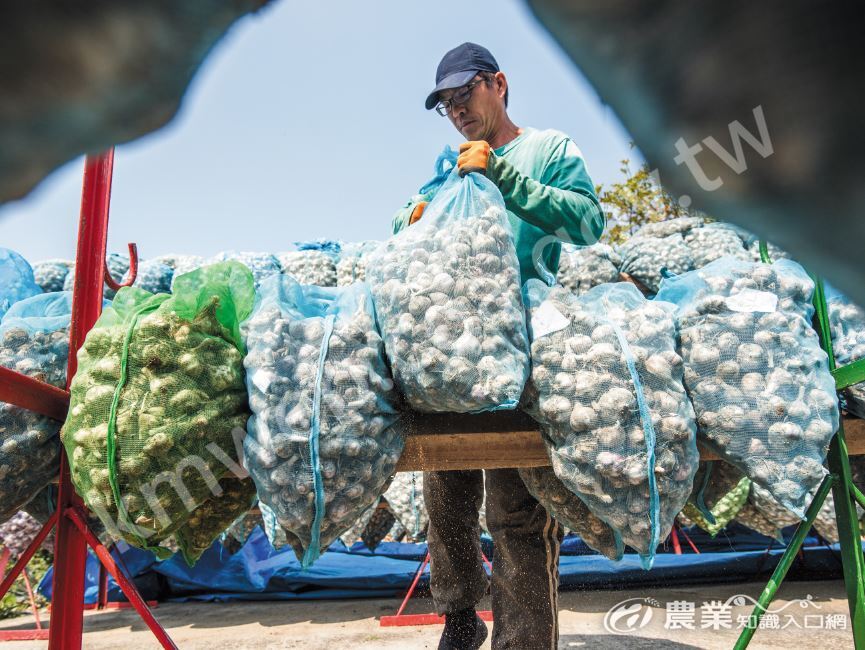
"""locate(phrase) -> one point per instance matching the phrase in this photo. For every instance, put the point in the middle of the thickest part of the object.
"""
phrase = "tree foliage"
(635, 201)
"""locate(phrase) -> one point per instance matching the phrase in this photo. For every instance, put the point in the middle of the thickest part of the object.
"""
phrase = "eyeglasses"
(459, 98)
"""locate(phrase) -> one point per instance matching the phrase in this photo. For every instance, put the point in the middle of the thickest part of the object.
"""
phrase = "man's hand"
(417, 212)
(474, 157)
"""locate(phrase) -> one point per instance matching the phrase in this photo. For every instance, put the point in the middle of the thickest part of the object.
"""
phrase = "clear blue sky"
(307, 121)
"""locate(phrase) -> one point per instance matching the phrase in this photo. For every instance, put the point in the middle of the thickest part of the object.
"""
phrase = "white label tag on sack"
(262, 379)
(751, 300)
(546, 319)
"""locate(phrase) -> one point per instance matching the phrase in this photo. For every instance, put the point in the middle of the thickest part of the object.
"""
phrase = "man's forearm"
(554, 210)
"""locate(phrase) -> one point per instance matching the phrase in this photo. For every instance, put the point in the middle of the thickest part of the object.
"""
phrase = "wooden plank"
(449, 441)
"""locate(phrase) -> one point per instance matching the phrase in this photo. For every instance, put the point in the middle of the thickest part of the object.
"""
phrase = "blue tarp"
(258, 572)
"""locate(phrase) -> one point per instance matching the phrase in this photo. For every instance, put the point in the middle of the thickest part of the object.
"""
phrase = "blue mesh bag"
(606, 387)
(50, 275)
(154, 276)
(34, 340)
(16, 279)
(321, 445)
(759, 381)
(447, 294)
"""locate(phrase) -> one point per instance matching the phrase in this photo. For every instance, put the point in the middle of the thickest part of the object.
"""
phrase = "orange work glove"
(473, 157)
(417, 212)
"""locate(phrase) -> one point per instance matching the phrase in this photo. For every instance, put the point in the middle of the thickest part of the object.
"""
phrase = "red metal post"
(73, 515)
(70, 550)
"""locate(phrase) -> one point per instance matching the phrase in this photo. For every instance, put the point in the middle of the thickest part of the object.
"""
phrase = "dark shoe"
(464, 630)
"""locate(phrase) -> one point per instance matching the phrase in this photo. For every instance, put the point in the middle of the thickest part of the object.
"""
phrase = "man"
(549, 197)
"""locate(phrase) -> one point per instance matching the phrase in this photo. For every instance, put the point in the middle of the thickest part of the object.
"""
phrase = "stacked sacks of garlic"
(759, 382)
(321, 445)
(34, 340)
(447, 294)
(351, 266)
(679, 225)
(154, 276)
(16, 279)
(261, 265)
(645, 258)
(714, 241)
(584, 267)
(543, 484)
(847, 325)
(606, 388)
(158, 408)
(50, 275)
(312, 263)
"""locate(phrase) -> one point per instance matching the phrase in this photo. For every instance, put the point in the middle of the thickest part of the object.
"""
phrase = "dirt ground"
(319, 625)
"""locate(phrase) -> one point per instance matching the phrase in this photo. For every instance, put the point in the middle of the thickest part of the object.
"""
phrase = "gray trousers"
(525, 574)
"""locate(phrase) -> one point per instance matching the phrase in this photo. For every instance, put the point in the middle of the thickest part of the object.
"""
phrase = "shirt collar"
(501, 151)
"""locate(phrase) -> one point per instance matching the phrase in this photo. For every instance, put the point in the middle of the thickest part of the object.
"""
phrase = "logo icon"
(629, 615)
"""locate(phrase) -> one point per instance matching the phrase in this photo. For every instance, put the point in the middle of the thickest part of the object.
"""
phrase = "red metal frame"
(73, 535)
(400, 619)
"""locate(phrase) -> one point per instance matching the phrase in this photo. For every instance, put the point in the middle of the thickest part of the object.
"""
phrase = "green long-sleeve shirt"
(548, 194)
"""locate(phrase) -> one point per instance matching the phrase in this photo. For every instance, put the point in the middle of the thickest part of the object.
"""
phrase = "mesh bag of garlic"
(847, 324)
(720, 492)
(405, 500)
(34, 340)
(351, 266)
(51, 274)
(310, 267)
(543, 484)
(16, 279)
(321, 445)
(154, 276)
(158, 409)
(714, 241)
(447, 294)
(754, 370)
(584, 267)
(606, 388)
(644, 258)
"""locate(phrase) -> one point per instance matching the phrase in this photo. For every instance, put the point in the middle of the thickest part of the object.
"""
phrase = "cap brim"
(454, 80)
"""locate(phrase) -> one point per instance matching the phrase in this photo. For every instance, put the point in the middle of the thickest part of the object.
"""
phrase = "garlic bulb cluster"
(775, 253)
(351, 266)
(309, 267)
(754, 370)
(406, 502)
(713, 242)
(643, 258)
(570, 511)
(321, 445)
(34, 340)
(847, 325)
(16, 279)
(606, 387)
(447, 295)
(50, 275)
(17, 533)
(584, 267)
(187, 263)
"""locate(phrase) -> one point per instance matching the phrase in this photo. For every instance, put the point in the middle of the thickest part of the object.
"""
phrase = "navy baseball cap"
(459, 66)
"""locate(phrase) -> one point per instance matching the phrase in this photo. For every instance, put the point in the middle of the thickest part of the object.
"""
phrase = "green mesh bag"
(157, 411)
(720, 492)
